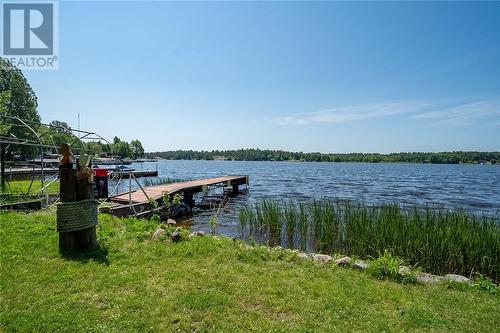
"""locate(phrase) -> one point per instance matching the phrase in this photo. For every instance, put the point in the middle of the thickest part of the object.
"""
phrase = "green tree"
(137, 149)
(17, 99)
(97, 147)
(61, 133)
(122, 149)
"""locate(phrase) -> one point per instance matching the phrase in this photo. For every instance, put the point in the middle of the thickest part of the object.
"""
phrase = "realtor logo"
(29, 34)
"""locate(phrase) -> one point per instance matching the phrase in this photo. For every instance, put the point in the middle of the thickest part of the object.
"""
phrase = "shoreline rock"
(427, 278)
(360, 264)
(344, 261)
(321, 258)
(157, 234)
(456, 278)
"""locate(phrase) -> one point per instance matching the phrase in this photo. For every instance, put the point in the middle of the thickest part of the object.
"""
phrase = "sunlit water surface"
(475, 188)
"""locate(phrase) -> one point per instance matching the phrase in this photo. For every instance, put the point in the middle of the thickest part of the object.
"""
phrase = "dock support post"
(188, 199)
(236, 189)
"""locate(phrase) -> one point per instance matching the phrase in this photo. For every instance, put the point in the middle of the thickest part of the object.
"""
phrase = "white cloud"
(352, 113)
(440, 112)
(463, 114)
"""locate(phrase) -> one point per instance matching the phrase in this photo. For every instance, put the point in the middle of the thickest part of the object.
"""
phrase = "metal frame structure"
(36, 141)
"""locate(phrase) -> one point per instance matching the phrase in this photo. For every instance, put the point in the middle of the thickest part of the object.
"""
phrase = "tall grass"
(439, 241)
(161, 181)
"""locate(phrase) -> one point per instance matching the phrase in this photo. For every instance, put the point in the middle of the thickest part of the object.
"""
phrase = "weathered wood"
(74, 189)
(26, 205)
(236, 189)
(67, 188)
(67, 241)
(135, 173)
(188, 199)
(67, 184)
(84, 190)
(86, 239)
(194, 186)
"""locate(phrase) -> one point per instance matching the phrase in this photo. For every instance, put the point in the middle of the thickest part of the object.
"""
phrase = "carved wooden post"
(77, 212)
(86, 238)
(67, 182)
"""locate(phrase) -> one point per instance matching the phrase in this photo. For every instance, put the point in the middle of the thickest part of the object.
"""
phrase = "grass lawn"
(206, 284)
(21, 187)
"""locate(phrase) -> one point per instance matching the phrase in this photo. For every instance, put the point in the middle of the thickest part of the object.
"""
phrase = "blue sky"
(315, 76)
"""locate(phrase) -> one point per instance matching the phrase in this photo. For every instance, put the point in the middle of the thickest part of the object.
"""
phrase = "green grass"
(20, 187)
(207, 284)
(161, 181)
(438, 241)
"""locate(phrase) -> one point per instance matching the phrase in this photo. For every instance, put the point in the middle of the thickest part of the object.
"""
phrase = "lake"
(475, 188)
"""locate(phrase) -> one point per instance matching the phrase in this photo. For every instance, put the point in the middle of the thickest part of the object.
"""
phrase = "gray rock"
(456, 278)
(322, 258)
(158, 233)
(303, 256)
(171, 223)
(427, 278)
(404, 270)
(360, 264)
(344, 261)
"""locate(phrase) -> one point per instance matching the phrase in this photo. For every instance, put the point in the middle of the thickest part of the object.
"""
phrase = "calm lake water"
(475, 188)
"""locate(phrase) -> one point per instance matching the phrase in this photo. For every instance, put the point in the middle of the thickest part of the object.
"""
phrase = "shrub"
(386, 266)
(484, 283)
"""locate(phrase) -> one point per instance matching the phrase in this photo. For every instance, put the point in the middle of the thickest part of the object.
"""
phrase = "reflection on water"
(473, 187)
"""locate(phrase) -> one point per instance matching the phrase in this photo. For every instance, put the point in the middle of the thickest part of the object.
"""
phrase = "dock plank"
(156, 192)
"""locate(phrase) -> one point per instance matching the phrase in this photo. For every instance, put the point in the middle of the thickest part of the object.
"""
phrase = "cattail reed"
(439, 241)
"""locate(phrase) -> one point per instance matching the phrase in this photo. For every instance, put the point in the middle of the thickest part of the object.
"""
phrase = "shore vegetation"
(438, 241)
(132, 283)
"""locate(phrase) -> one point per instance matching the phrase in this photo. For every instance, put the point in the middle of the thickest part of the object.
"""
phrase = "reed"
(291, 219)
(303, 226)
(438, 241)
(161, 181)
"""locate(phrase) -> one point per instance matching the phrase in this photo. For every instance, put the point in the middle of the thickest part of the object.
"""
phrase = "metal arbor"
(43, 143)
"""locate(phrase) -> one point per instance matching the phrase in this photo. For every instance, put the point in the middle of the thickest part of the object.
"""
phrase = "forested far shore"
(454, 157)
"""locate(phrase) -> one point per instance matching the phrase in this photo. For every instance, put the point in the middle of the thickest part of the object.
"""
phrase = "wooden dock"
(129, 202)
(28, 173)
(136, 173)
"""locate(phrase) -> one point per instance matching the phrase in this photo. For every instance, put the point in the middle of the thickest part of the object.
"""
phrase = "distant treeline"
(279, 155)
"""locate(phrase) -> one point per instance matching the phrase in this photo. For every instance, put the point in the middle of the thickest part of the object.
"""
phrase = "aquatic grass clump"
(290, 215)
(386, 266)
(161, 181)
(326, 226)
(439, 241)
